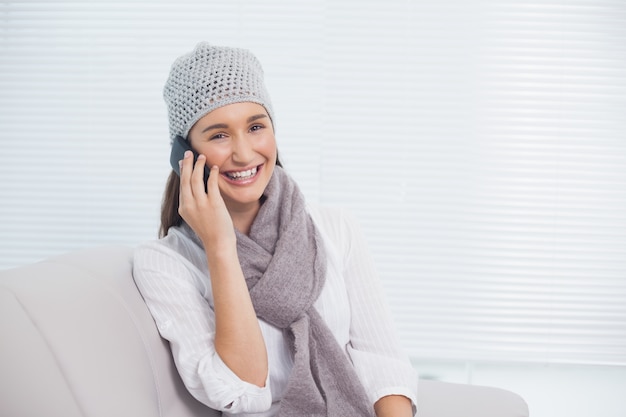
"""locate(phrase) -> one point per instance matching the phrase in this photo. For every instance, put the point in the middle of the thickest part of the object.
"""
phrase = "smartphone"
(179, 146)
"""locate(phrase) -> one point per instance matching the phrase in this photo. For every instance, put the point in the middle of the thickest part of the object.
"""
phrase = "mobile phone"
(179, 146)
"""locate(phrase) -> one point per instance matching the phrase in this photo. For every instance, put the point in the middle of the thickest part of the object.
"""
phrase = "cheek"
(215, 156)
(269, 147)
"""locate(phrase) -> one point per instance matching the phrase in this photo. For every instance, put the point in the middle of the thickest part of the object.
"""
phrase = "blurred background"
(481, 144)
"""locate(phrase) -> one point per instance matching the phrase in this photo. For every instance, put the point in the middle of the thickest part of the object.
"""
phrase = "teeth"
(242, 174)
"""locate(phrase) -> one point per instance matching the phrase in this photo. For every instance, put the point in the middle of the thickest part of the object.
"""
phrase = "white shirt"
(172, 275)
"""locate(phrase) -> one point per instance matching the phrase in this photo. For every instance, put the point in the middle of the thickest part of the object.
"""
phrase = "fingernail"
(187, 154)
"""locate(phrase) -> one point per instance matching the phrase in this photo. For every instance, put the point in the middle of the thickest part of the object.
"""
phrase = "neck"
(243, 217)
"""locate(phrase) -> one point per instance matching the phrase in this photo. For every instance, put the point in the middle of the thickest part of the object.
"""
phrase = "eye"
(217, 136)
(256, 127)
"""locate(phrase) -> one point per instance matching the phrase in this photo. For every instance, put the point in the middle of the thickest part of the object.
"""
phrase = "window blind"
(481, 144)
(494, 190)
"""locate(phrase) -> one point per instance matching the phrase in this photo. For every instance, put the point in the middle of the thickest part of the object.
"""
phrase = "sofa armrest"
(443, 399)
(78, 340)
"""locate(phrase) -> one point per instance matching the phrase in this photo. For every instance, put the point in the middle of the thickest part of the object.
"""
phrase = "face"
(239, 139)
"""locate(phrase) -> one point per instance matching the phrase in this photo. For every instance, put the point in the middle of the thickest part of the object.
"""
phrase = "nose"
(242, 150)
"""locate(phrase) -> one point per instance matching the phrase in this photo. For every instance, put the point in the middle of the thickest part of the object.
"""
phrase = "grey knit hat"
(210, 77)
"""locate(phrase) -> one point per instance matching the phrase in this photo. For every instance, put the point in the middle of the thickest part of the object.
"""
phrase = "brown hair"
(169, 206)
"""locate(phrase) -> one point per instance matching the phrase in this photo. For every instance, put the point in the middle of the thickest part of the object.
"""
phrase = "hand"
(238, 338)
(204, 212)
(394, 406)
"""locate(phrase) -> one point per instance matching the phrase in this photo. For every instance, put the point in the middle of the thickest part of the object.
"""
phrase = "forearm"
(238, 338)
(393, 406)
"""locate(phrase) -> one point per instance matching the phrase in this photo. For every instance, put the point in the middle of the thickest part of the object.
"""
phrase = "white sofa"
(78, 341)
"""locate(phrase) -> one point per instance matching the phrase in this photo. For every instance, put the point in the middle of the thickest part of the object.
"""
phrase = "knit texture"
(210, 77)
(284, 262)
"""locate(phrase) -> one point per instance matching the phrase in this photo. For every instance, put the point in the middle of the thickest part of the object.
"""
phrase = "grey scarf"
(284, 263)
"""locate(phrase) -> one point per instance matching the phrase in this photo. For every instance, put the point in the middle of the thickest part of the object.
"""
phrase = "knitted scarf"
(284, 263)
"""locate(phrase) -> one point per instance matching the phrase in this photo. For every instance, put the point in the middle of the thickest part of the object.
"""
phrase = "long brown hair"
(169, 206)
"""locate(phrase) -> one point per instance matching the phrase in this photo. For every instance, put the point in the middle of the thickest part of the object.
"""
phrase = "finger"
(212, 182)
(186, 169)
(197, 177)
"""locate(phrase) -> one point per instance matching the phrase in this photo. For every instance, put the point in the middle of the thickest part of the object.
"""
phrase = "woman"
(271, 306)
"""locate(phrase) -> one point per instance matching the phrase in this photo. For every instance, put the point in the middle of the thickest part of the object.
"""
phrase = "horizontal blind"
(481, 144)
(484, 147)
(552, 180)
(85, 150)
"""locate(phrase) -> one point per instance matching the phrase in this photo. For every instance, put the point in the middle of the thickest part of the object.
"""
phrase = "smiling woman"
(268, 302)
(479, 143)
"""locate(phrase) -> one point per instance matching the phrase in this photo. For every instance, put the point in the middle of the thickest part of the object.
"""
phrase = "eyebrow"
(225, 126)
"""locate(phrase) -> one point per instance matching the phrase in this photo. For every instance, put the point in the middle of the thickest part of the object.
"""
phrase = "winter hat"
(210, 77)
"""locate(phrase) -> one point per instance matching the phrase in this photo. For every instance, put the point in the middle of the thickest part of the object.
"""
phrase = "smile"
(241, 175)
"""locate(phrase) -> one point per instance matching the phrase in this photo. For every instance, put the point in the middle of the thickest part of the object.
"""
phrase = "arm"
(374, 347)
(238, 338)
(171, 276)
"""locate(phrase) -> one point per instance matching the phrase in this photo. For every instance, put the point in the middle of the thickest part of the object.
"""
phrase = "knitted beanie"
(210, 77)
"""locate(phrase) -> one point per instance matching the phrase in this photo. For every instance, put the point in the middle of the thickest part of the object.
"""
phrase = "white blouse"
(172, 275)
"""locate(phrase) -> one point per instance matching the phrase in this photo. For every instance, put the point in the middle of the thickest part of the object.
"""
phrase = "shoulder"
(330, 219)
(176, 247)
(171, 263)
(166, 246)
(337, 225)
